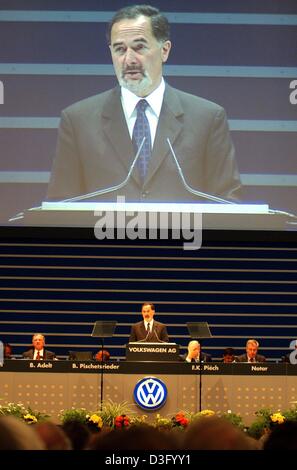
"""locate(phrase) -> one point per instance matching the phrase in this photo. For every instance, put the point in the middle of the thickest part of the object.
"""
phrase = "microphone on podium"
(144, 340)
(160, 340)
(111, 189)
(191, 190)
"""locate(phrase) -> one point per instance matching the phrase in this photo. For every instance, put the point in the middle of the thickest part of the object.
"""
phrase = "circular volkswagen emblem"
(150, 393)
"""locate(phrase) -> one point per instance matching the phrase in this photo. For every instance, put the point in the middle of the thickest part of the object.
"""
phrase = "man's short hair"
(159, 22)
(193, 341)
(148, 303)
(228, 352)
(38, 334)
(252, 341)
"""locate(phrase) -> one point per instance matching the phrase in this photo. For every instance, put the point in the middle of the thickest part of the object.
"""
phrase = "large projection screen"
(241, 55)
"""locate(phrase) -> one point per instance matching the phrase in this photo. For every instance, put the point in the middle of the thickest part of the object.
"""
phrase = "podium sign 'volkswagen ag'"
(150, 393)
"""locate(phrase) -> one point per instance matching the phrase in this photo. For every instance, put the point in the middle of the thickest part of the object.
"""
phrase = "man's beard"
(138, 87)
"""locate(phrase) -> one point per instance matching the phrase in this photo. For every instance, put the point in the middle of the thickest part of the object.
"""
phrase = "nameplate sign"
(164, 352)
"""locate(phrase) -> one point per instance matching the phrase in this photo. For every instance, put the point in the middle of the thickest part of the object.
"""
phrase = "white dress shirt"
(155, 100)
(41, 353)
(150, 325)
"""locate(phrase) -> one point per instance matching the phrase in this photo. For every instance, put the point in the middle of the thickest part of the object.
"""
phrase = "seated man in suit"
(251, 354)
(149, 330)
(229, 356)
(37, 352)
(291, 355)
(7, 350)
(102, 355)
(194, 351)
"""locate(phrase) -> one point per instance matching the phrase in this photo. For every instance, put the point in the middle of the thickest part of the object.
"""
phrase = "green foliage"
(291, 415)
(13, 409)
(161, 422)
(257, 428)
(111, 410)
(20, 411)
(77, 415)
(112, 414)
(234, 418)
(261, 423)
(265, 420)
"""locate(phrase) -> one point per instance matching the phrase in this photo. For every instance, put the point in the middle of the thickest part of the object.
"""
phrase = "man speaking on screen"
(179, 140)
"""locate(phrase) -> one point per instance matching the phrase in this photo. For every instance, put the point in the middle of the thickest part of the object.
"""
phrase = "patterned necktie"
(141, 130)
(38, 356)
(148, 328)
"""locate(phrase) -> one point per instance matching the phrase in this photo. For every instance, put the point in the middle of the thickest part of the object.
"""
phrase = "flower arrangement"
(25, 414)
(277, 418)
(291, 414)
(120, 416)
(265, 420)
(110, 411)
(110, 416)
(234, 418)
(122, 421)
(81, 415)
(180, 420)
(30, 419)
(162, 423)
(203, 414)
(94, 421)
(137, 420)
(78, 415)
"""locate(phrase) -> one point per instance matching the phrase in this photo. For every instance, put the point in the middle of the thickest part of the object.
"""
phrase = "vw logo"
(150, 393)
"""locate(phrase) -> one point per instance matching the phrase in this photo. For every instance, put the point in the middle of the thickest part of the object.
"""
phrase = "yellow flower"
(96, 420)
(207, 413)
(30, 418)
(277, 418)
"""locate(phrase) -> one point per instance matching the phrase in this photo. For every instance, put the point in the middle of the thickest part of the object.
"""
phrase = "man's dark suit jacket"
(244, 358)
(158, 333)
(49, 355)
(204, 357)
(95, 151)
(286, 358)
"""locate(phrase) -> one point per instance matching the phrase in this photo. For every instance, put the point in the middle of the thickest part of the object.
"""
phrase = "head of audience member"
(139, 42)
(282, 437)
(148, 311)
(78, 433)
(17, 435)
(7, 351)
(229, 355)
(214, 433)
(193, 350)
(252, 347)
(53, 436)
(38, 341)
(102, 355)
(141, 437)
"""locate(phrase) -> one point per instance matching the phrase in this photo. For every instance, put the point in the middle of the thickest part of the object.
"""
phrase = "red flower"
(181, 420)
(122, 421)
